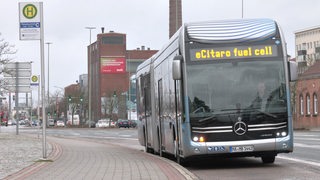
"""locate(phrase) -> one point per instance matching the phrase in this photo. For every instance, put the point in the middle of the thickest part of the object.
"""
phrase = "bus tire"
(268, 159)
(179, 159)
(160, 143)
(146, 148)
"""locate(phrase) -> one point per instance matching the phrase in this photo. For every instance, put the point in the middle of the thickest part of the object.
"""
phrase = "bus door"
(177, 116)
(161, 118)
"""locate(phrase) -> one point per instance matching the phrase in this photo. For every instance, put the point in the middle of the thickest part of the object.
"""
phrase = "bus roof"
(231, 31)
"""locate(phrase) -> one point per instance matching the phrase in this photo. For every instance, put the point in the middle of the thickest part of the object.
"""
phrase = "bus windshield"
(238, 86)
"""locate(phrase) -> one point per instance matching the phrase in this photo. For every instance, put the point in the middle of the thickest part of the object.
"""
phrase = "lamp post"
(242, 9)
(90, 75)
(48, 43)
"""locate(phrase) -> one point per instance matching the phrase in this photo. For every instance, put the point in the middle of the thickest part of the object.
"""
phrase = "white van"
(50, 122)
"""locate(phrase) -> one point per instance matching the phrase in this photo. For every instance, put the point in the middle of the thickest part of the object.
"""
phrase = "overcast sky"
(144, 21)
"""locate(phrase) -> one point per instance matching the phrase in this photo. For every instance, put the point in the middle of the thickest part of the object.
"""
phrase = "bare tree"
(6, 55)
(109, 106)
(6, 51)
(75, 100)
(56, 104)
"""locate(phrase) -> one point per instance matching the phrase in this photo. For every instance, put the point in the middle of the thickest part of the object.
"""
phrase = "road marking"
(300, 161)
(307, 146)
(309, 139)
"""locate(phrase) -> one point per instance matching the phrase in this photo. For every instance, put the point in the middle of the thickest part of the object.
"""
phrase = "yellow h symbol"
(29, 11)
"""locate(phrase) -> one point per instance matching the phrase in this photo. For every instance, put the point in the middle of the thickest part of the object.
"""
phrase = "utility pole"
(90, 76)
(48, 103)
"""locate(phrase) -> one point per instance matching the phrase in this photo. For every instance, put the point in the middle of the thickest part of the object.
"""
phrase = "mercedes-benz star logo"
(240, 128)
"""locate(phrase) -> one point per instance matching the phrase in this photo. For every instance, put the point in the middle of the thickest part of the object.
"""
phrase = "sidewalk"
(81, 159)
(18, 152)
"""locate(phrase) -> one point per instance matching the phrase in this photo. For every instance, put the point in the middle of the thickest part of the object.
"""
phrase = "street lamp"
(90, 74)
(48, 43)
(242, 9)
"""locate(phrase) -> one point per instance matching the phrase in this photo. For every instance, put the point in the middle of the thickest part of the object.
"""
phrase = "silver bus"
(218, 88)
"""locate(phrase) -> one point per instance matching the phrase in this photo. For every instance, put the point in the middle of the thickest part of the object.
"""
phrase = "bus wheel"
(146, 148)
(176, 150)
(160, 144)
(179, 159)
(268, 159)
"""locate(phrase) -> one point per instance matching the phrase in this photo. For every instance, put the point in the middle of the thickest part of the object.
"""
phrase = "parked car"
(112, 124)
(60, 123)
(92, 124)
(10, 122)
(123, 123)
(50, 122)
(133, 123)
(103, 123)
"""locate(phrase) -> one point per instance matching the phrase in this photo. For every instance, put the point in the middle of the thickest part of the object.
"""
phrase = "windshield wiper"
(206, 118)
(265, 113)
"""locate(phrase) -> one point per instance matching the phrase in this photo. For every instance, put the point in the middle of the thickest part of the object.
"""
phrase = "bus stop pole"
(44, 119)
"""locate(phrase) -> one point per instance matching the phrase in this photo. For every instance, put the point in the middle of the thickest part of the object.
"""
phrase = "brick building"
(109, 67)
(307, 88)
(306, 98)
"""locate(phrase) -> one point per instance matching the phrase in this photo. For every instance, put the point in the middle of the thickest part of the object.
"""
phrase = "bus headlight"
(198, 139)
(281, 134)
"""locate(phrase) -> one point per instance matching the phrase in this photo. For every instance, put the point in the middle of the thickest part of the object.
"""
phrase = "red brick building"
(109, 68)
(307, 98)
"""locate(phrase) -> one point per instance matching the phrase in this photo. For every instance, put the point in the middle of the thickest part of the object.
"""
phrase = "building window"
(113, 40)
(301, 105)
(315, 104)
(308, 104)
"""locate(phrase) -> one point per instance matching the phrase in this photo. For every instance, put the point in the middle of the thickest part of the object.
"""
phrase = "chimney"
(102, 30)
(175, 16)
(142, 48)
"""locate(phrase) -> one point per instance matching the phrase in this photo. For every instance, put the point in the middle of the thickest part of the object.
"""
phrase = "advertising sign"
(111, 65)
(30, 20)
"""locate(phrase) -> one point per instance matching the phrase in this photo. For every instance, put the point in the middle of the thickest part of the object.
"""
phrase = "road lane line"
(300, 161)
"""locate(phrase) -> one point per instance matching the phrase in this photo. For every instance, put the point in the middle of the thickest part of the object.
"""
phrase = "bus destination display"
(233, 52)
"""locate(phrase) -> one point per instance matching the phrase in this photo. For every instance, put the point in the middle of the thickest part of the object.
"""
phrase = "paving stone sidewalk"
(18, 152)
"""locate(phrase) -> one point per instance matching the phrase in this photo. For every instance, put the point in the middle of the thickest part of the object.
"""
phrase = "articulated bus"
(218, 88)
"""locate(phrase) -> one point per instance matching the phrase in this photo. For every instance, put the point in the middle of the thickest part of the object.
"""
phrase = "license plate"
(241, 148)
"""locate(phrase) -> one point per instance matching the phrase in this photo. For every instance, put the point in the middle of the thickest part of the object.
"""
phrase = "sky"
(146, 22)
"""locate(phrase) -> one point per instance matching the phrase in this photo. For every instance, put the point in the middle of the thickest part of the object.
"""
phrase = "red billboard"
(111, 65)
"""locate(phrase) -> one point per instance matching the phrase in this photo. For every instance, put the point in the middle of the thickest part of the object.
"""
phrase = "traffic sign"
(21, 73)
(19, 81)
(34, 80)
(30, 20)
(18, 65)
(20, 89)
(17, 76)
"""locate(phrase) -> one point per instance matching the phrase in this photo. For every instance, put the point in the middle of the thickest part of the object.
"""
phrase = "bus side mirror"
(176, 67)
(293, 70)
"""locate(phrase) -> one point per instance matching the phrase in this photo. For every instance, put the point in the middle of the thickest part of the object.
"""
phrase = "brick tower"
(175, 16)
